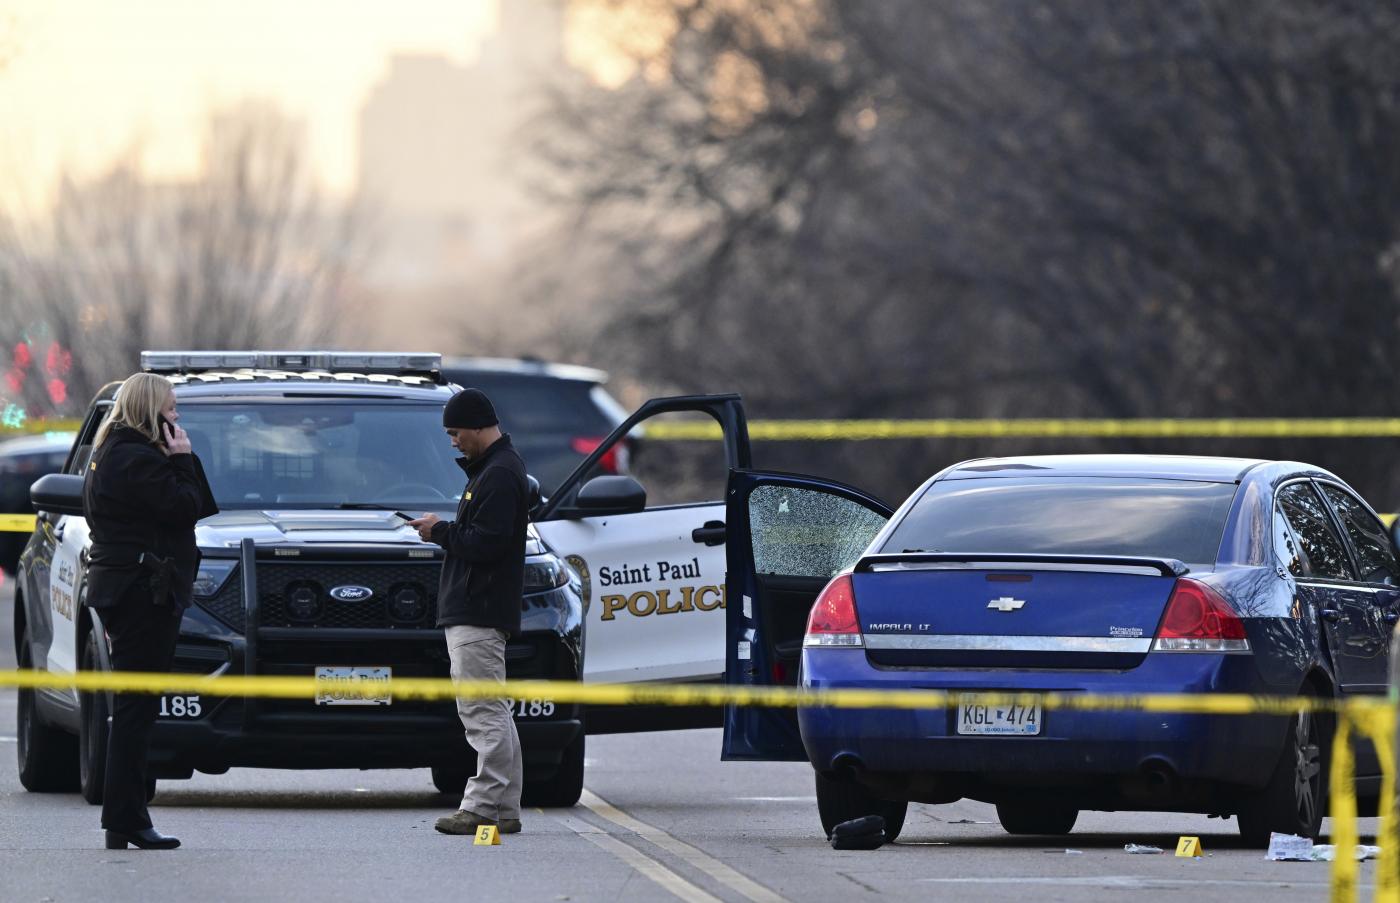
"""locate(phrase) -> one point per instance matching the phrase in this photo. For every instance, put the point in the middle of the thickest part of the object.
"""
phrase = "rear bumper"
(1112, 755)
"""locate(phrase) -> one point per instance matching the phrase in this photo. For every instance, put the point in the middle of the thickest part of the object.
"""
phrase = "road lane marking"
(1135, 882)
(741, 884)
(9, 739)
(641, 863)
(776, 799)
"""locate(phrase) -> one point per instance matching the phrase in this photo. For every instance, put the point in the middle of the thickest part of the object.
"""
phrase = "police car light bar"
(292, 361)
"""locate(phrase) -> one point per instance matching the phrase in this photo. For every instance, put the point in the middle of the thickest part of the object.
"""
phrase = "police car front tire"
(48, 757)
(92, 731)
(565, 787)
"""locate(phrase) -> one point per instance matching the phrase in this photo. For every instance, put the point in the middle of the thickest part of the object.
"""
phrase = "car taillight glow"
(833, 620)
(614, 460)
(1198, 620)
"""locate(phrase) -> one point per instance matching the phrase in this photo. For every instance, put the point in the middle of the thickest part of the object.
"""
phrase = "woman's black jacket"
(137, 500)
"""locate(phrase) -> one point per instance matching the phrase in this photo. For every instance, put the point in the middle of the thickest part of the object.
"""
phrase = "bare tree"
(249, 254)
(903, 208)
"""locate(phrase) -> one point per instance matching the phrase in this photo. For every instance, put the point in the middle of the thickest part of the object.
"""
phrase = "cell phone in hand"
(162, 424)
(407, 516)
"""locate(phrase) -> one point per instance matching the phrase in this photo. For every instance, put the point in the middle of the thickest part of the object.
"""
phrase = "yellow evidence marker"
(487, 836)
(1186, 847)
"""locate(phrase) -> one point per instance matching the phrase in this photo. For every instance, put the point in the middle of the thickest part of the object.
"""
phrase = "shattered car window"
(807, 533)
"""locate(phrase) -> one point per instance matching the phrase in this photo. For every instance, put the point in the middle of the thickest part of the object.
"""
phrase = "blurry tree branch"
(904, 208)
(248, 254)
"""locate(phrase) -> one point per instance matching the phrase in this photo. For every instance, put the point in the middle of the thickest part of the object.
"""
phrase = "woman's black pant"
(142, 636)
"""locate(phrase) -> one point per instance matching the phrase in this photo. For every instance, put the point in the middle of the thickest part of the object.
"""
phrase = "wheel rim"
(1307, 770)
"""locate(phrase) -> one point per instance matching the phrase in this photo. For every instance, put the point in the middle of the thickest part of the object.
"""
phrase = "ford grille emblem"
(351, 593)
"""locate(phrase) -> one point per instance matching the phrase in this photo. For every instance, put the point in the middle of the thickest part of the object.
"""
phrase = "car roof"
(253, 384)
(1158, 467)
(37, 444)
(524, 367)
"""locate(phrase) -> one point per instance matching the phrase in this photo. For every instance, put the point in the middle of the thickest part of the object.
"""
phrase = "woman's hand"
(177, 441)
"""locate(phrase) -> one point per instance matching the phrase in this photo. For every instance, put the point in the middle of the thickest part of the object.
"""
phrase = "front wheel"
(565, 787)
(1034, 818)
(1293, 802)
(92, 731)
(48, 757)
(839, 801)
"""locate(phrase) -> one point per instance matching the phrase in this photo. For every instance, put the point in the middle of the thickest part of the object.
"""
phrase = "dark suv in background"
(22, 461)
(556, 413)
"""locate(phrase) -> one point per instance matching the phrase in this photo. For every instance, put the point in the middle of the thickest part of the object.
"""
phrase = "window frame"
(1341, 527)
(1337, 530)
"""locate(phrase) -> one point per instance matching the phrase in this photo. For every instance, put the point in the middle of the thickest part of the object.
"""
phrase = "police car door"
(653, 572)
(788, 536)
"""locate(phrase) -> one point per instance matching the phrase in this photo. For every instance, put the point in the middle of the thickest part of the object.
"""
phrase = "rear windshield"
(531, 405)
(1069, 516)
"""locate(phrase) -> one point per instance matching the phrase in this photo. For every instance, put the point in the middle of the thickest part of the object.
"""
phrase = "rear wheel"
(92, 732)
(1293, 802)
(48, 757)
(839, 801)
(1036, 818)
(450, 780)
(565, 787)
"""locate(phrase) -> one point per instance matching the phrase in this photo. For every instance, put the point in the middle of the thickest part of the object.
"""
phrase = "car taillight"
(614, 460)
(1198, 620)
(833, 620)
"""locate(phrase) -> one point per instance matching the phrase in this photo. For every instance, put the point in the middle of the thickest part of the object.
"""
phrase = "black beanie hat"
(469, 409)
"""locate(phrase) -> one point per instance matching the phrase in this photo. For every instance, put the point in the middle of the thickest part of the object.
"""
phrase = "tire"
(92, 731)
(450, 781)
(48, 757)
(1295, 799)
(1037, 818)
(566, 786)
(839, 801)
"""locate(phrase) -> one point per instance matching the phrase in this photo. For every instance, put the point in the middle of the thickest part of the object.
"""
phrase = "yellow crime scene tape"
(1373, 718)
(16, 523)
(1042, 428)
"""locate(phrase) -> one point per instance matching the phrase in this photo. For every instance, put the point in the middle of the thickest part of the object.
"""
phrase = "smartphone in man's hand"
(407, 516)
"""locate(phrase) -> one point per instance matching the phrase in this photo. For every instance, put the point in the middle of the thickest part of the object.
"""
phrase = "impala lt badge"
(1006, 603)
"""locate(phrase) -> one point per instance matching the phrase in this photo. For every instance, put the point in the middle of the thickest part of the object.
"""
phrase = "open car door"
(788, 536)
(653, 574)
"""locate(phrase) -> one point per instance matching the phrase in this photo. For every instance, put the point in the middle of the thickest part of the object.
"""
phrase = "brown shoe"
(464, 821)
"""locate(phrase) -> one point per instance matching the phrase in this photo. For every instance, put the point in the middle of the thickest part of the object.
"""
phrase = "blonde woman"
(142, 495)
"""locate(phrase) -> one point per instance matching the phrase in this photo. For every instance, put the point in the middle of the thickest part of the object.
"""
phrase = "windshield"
(295, 454)
(1069, 516)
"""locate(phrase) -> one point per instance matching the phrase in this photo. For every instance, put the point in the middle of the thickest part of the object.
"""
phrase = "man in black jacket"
(483, 576)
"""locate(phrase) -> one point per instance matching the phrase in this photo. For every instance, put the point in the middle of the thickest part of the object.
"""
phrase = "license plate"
(340, 685)
(997, 720)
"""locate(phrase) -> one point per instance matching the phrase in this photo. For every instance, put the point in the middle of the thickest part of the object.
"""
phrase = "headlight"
(213, 574)
(544, 572)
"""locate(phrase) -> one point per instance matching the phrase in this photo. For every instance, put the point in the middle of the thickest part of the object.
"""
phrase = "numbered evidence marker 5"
(1188, 847)
(487, 836)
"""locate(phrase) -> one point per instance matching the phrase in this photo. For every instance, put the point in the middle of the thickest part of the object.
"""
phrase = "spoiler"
(921, 561)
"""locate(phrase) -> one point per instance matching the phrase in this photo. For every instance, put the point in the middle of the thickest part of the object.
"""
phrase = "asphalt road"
(663, 819)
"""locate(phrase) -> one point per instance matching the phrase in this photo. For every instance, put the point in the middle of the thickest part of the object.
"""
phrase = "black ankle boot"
(144, 839)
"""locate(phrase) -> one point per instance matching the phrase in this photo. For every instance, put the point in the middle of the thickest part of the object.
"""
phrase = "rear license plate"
(339, 685)
(1004, 720)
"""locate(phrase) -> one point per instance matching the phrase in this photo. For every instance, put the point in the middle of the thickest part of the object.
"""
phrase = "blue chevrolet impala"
(1102, 574)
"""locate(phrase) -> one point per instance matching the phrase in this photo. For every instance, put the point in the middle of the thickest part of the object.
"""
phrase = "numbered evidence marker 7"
(1189, 847)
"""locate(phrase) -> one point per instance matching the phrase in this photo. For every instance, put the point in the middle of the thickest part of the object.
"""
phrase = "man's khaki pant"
(479, 653)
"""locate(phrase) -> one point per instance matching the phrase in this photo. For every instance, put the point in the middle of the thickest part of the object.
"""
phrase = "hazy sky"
(85, 78)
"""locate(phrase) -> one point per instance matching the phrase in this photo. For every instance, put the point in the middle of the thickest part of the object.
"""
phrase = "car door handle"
(712, 534)
(1391, 616)
(1331, 614)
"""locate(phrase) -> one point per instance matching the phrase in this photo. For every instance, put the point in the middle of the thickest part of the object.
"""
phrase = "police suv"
(307, 570)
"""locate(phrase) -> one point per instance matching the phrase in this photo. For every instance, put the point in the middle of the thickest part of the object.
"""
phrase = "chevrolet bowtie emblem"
(1006, 603)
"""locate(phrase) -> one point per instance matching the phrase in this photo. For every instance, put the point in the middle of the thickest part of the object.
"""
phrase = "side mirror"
(58, 493)
(533, 497)
(610, 495)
